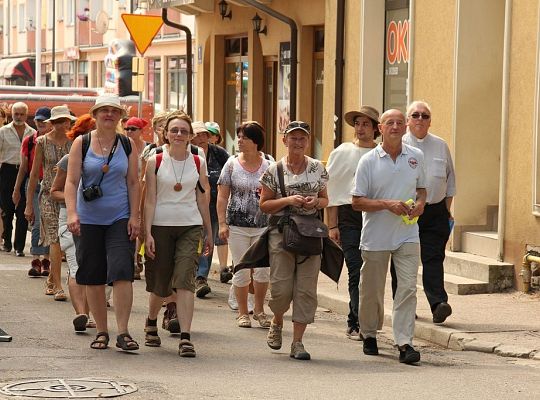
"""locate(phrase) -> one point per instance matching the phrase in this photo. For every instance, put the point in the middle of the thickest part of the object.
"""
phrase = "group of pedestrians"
(110, 201)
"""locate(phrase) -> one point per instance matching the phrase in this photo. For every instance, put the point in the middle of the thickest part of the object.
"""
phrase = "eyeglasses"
(417, 115)
(131, 129)
(176, 131)
(298, 124)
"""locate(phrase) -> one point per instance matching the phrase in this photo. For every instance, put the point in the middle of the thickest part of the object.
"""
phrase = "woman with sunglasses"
(293, 278)
(241, 221)
(176, 209)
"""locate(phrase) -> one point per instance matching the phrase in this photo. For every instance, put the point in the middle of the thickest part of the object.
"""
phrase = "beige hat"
(198, 127)
(108, 100)
(365, 111)
(59, 112)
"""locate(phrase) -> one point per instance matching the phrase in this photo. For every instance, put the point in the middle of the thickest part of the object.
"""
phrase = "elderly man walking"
(11, 136)
(390, 190)
(434, 224)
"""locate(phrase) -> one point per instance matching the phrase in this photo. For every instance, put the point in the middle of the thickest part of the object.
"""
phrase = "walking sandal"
(186, 349)
(101, 342)
(151, 338)
(125, 342)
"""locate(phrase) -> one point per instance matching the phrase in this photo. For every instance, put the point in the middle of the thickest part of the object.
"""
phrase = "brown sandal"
(101, 342)
(125, 342)
(186, 349)
(151, 337)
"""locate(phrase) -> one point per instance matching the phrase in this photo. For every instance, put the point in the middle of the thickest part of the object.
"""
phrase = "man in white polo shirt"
(388, 180)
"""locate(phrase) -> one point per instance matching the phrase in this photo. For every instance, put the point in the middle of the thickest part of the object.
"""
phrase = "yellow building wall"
(522, 228)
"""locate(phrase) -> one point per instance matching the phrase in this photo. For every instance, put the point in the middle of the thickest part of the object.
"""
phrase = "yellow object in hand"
(405, 218)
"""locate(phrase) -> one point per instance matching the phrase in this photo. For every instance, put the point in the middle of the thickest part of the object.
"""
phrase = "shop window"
(83, 74)
(154, 83)
(396, 54)
(65, 72)
(177, 83)
(536, 186)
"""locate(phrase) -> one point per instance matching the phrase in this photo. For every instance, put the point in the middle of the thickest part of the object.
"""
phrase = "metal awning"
(13, 68)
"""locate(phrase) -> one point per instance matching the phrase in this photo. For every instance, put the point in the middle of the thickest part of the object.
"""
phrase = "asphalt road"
(235, 363)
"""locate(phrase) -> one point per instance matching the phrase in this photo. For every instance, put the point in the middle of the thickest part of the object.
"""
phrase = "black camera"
(92, 193)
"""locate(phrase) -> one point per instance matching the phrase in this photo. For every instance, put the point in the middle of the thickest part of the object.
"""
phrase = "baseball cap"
(42, 114)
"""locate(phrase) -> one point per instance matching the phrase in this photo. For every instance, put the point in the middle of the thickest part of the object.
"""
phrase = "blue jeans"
(35, 248)
(350, 242)
(206, 262)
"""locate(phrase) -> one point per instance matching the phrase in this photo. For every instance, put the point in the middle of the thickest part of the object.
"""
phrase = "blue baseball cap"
(42, 114)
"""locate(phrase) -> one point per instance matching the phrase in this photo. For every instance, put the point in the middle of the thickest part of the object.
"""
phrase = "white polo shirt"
(440, 177)
(379, 177)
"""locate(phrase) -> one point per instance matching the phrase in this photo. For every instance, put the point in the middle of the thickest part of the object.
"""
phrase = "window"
(60, 10)
(70, 12)
(22, 18)
(13, 15)
(396, 54)
(95, 7)
(177, 83)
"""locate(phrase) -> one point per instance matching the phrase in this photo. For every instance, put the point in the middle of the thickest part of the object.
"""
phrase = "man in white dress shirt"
(434, 224)
(11, 136)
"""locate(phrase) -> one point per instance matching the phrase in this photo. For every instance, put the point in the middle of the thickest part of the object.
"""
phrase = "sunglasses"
(131, 129)
(298, 124)
(420, 115)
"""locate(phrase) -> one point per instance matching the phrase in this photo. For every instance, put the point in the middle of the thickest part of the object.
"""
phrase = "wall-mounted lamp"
(223, 6)
(257, 25)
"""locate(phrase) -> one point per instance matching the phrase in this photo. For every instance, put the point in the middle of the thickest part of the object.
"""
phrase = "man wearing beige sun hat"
(346, 224)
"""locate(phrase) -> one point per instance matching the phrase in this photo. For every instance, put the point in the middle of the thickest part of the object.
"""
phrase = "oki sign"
(397, 42)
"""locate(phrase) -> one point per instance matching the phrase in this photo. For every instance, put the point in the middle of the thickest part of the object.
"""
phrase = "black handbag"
(302, 234)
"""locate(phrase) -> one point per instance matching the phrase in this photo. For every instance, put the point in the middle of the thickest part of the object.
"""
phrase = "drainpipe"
(294, 47)
(503, 174)
(340, 62)
(189, 56)
(526, 270)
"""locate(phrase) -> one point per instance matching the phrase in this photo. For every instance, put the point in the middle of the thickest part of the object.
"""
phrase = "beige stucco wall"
(522, 227)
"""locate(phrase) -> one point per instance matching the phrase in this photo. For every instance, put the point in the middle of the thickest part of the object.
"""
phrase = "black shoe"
(225, 275)
(408, 355)
(441, 312)
(19, 254)
(5, 248)
(202, 288)
(370, 347)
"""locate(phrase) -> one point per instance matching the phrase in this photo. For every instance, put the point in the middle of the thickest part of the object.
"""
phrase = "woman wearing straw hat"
(102, 200)
(50, 148)
(346, 224)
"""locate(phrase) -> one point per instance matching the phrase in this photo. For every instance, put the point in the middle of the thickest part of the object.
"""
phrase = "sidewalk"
(507, 324)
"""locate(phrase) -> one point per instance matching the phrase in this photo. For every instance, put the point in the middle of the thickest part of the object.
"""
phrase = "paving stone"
(513, 351)
(536, 356)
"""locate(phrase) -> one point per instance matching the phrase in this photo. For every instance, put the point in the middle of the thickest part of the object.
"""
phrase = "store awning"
(13, 68)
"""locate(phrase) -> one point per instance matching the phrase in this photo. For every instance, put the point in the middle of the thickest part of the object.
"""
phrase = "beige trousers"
(290, 281)
(372, 282)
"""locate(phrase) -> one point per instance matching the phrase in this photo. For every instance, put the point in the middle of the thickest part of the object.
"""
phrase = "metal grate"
(68, 388)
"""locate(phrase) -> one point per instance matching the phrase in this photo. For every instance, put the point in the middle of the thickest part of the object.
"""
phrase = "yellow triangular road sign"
(142, 29)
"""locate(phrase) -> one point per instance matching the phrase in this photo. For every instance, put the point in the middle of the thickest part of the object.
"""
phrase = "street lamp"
(223, 5)
(256, 20)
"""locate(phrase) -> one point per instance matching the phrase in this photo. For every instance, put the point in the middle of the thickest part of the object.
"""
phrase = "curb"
(445, 337)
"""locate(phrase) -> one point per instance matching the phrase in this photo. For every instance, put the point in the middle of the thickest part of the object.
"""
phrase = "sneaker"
(45, 267)
(262, 319)
(170, 319)
(370, 347)
(354, 333)
(233, 304)
(441, 312)
(298, 352)
(274, 337)
(243, 321)
(201, 287)
(251, 302)
(35, 269)
(408, 355)
(225, 275)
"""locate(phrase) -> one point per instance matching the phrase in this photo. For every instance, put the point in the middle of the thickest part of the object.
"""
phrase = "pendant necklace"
(295, 173)
(178, 185)
(105, 167)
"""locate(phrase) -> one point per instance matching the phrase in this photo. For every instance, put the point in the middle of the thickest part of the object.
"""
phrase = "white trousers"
(240, 239)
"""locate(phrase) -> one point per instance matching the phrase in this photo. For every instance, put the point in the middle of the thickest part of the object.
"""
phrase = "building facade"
(75, 38)
(475, 62)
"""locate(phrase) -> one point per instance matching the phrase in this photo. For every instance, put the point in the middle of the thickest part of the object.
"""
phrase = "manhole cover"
(68, 388)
